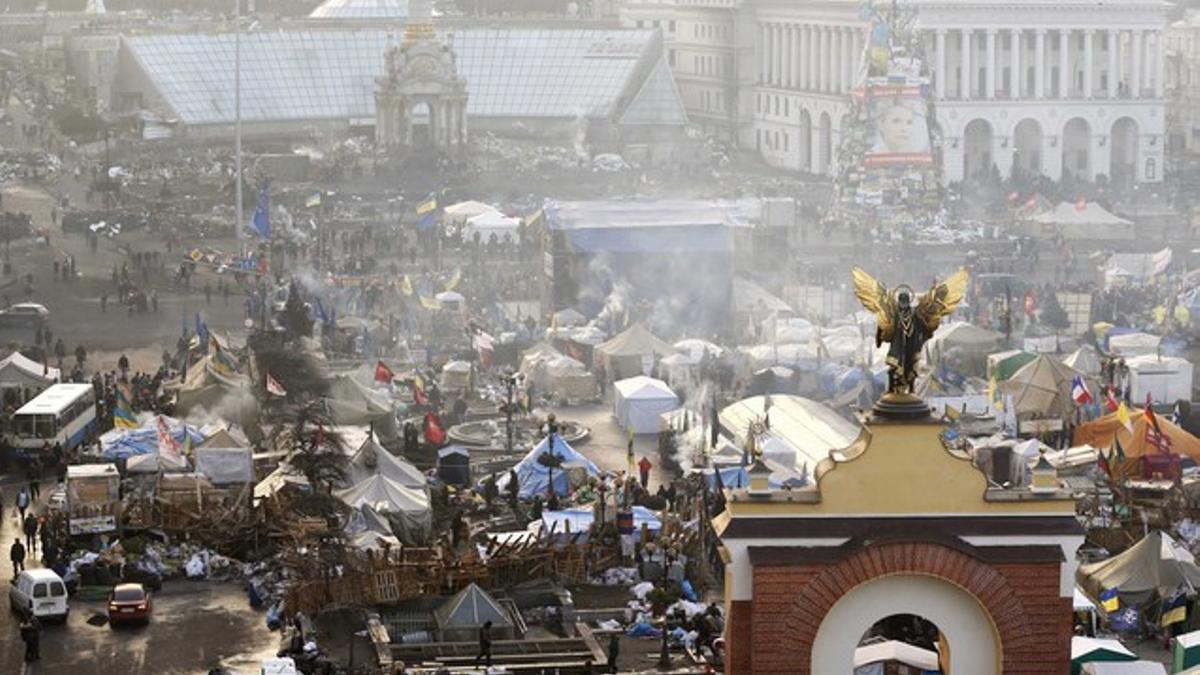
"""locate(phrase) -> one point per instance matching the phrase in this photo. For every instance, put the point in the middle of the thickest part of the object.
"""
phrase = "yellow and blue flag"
(260, 222)
(429, 204)
(1174, 607)
(1109, 600)
(123, 413)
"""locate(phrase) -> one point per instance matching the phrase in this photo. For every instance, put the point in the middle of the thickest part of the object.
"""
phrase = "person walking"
(17, 555)
(485, 644)
(644, 467)
(22, 502)
(31, 635)
(30, 527)
(614, 650)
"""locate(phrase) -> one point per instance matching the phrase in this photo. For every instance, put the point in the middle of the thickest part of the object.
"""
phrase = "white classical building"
(1062, 88)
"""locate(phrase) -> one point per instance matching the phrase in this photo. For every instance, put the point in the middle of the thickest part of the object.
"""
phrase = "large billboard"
(898, 127)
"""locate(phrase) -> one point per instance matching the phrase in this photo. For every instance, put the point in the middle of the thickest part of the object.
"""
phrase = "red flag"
(434, 433)
(1081, 204)
(1014, 196)
(1031, 304)
(383, 374)
(1110, 399)
(263, 265)
(1031, 204)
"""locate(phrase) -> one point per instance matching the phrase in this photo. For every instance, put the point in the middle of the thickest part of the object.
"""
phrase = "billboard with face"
(899, 129)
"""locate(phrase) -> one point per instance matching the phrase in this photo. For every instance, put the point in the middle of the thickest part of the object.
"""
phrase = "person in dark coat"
(614, 650)
(31, 635)
(17, 555)
(30, 527)
(485, 644)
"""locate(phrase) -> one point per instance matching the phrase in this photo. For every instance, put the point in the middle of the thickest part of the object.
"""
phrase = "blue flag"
(260, 222)
(201, 332)
(1126, 620)
(427, 221)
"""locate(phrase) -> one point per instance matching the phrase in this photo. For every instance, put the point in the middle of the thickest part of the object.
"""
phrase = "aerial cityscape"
(561, 337)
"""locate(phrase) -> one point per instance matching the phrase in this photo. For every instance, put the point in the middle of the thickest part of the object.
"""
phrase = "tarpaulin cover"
(1155, 565)
(533, 477)
(408, 507)
(580, 519)
(1100, 433)
(225, 465)
(122, 444)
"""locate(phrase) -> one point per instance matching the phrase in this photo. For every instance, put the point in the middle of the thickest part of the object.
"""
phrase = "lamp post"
(511, 383)
(237, 116)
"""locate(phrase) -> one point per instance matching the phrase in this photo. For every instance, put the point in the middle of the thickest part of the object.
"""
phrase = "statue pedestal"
(900, 407)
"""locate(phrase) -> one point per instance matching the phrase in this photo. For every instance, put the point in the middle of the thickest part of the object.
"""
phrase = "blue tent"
(534, 477)
(144, 440)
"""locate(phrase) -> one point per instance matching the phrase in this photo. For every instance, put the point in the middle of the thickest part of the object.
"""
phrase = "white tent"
(1090, 222)
(1085, 359)
(922, 660)
(559, 374)
(464, 211)
(371, 458)
(639, 401)
(26, 376)
(409, 507)
(1165, 379)
(1134, 344)
(492, 223)
(695, 349)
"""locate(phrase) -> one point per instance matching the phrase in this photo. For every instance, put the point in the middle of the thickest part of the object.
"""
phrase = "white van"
(39, 592)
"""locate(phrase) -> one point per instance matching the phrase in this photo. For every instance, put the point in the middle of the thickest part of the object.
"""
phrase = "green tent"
(1185, 651)
(1089, 650)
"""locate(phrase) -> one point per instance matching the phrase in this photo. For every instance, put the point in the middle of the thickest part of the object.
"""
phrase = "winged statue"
(906, 320)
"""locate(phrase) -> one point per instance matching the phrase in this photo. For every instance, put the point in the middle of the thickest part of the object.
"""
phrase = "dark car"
(129, 603)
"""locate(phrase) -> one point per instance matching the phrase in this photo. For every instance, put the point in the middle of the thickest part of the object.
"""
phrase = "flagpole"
(237, 116)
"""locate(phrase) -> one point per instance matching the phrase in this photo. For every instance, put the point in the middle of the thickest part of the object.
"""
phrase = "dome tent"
(533, 477)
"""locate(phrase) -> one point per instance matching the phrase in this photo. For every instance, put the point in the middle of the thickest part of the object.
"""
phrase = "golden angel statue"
(907, 320)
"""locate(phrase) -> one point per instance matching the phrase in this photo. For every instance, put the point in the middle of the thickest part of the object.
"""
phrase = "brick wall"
(774, 632)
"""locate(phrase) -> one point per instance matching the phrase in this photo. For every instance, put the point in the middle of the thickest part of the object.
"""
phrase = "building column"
(811, 66)
(822, 59)
(835, 67)
(801, 54)
(788, 44)
(1039, 68)
(1014, 78)
(1135, 84)
(1114, 72)
(966, 92)
(940, 41)
(1160, 67)
(1064, 77)
(847, 60)
(763, 54)
(1088, 88)
(990, 66)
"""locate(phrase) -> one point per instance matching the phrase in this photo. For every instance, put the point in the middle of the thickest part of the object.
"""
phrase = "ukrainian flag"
(430, 204)
(123, 414)
(1174, 607)
(1109, 601)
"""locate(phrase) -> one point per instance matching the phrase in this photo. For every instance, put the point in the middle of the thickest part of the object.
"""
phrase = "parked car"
(39, 593)
(129, 602)
(24, 314)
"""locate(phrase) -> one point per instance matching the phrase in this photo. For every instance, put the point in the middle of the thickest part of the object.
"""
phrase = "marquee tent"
(1091, 222)
(1166, 379)
(352, 403)
(1156, 565)
(371, 459)
(638, 401)
(1101, 432)
(533, 477)
(463, 211)
(1002, 365)
(408, 507)
(561, 375)
(627, 354)
(25, 377)
(1133, 344)
(492, 223)
(695, 349)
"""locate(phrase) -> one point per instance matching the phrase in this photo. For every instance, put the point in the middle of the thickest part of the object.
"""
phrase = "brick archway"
(985, 583)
